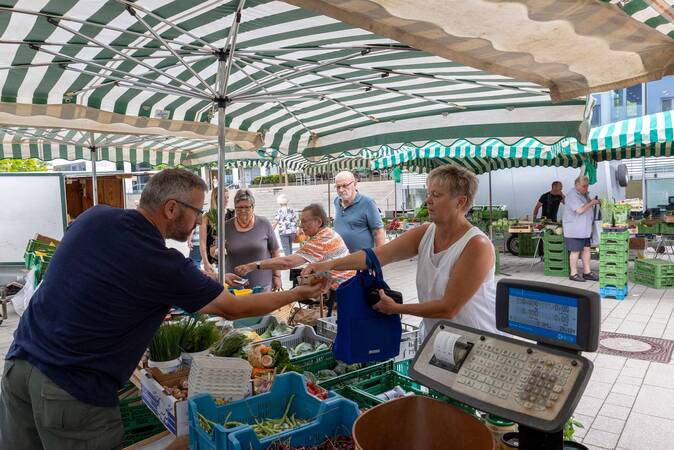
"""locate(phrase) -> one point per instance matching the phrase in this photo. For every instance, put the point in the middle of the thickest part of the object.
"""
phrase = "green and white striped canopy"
(304, 82)
(657, 14)
(49, 144)
(648, 136)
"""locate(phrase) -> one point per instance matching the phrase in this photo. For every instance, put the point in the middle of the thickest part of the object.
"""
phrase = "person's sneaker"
(591, 276)
(577, 277)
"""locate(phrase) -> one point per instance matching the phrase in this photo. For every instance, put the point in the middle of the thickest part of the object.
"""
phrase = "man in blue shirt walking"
(357, 218)
(109, 286)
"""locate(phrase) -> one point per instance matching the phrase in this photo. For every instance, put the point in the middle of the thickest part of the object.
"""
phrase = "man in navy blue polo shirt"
(357, 218)
(109, 286)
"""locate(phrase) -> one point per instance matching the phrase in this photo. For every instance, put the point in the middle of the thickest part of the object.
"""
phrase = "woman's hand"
(233, 280)
(208, 268)
(276, 283)
(309, 291)
(245, 269)
(320, 267)
(386, 305)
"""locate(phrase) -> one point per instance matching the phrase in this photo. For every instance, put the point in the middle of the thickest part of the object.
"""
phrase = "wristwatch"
(257, 265)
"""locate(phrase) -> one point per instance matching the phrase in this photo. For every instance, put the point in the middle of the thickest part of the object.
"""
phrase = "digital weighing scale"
(537, 382)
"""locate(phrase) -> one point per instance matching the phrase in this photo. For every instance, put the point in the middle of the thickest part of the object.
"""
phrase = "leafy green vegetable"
(282, 358)
(282, 329)
(326, 374)
(570, 428)
(165, 344)
(231, 344)
(198, 336)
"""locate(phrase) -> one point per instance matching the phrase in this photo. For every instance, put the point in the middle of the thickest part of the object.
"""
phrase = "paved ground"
(628, 404)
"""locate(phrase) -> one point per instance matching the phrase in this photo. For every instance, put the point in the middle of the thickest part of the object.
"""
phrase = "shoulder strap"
(373, 264)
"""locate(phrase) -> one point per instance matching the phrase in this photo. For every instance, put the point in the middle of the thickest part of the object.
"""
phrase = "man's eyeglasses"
(200, 212)
(343, 186)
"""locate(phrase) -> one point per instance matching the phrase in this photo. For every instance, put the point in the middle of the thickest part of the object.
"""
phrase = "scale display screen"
(539, 313)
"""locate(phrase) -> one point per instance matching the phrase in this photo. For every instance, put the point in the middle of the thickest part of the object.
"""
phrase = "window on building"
(667, 104)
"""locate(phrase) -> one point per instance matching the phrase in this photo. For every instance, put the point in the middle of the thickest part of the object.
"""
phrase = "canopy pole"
(225, 60)
(643, 158)
(94, 178)
(491, 237)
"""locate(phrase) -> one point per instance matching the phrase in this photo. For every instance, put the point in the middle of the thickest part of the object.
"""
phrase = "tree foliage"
(22, 165)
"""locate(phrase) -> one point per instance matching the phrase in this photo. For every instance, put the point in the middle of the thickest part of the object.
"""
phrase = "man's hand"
(595, 201)
(276, 284)
(309, 291)
(320, 267)
(386, 304)
(231, 279)
(245, 269)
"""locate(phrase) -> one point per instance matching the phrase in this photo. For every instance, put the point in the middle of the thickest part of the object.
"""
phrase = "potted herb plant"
(165, 348)
(198, 336)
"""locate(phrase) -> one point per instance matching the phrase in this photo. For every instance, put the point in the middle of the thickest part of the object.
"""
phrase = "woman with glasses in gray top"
(250, 238)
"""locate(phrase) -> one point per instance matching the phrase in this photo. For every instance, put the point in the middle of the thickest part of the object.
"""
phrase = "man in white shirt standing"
(577, 221)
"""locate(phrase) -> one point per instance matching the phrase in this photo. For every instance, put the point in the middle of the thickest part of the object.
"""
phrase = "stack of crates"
(654, 273)
(556, 257)
(527, 244)
(614, 250)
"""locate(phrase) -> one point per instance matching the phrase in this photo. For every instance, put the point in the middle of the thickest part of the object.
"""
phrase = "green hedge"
(274, 179)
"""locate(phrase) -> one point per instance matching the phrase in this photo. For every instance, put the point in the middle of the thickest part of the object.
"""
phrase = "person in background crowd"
(455, 264)
(286, 222)
(250, 238)
(357, 218)
(195, 248)
(208, 231)
(577, 222)
(324, 244)
(549, 202)
(109, 286)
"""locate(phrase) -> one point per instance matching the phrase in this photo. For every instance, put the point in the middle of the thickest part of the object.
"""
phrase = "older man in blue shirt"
(357, 218)
(577, 221)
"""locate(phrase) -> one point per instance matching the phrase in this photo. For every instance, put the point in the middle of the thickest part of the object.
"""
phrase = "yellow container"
(243, 291)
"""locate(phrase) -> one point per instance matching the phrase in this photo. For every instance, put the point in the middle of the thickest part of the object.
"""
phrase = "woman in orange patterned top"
(324, 244)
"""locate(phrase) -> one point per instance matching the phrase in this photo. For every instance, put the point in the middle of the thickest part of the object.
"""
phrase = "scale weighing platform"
(536, 382)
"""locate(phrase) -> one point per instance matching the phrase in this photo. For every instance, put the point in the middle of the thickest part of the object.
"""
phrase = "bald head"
(345, 183)
(344, 177)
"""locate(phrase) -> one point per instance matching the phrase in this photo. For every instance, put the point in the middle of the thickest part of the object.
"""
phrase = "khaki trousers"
(37, 414)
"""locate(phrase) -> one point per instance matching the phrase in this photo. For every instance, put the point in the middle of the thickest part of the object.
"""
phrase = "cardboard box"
(637, 243)
(169, 410)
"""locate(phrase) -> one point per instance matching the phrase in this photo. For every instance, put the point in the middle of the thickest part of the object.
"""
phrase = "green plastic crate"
(386, 382)
(553, 238)
(615, 248)
(613, 256)
(497, 262)
(653, 229)
(667, 228)
(138, 421)
(612, 279)
(364, 401)
(556, 256)
(556, 272)
(357, 376)
(613, 266)
(654, 282)
(527, 244)
(553, 246)
(403, 367)
(659, 267)
(609, 237)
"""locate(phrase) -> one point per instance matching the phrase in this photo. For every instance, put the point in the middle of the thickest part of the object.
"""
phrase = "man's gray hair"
(244, 194)
(580, 179)
(170, 184)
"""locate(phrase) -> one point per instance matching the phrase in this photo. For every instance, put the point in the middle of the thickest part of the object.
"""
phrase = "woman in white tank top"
(455, 269)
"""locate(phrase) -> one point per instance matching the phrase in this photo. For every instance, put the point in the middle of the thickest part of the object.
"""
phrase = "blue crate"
(336, 420)
(613, 291)
(271, 404)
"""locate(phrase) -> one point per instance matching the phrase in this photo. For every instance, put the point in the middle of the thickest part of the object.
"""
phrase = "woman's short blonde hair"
(458, 180)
